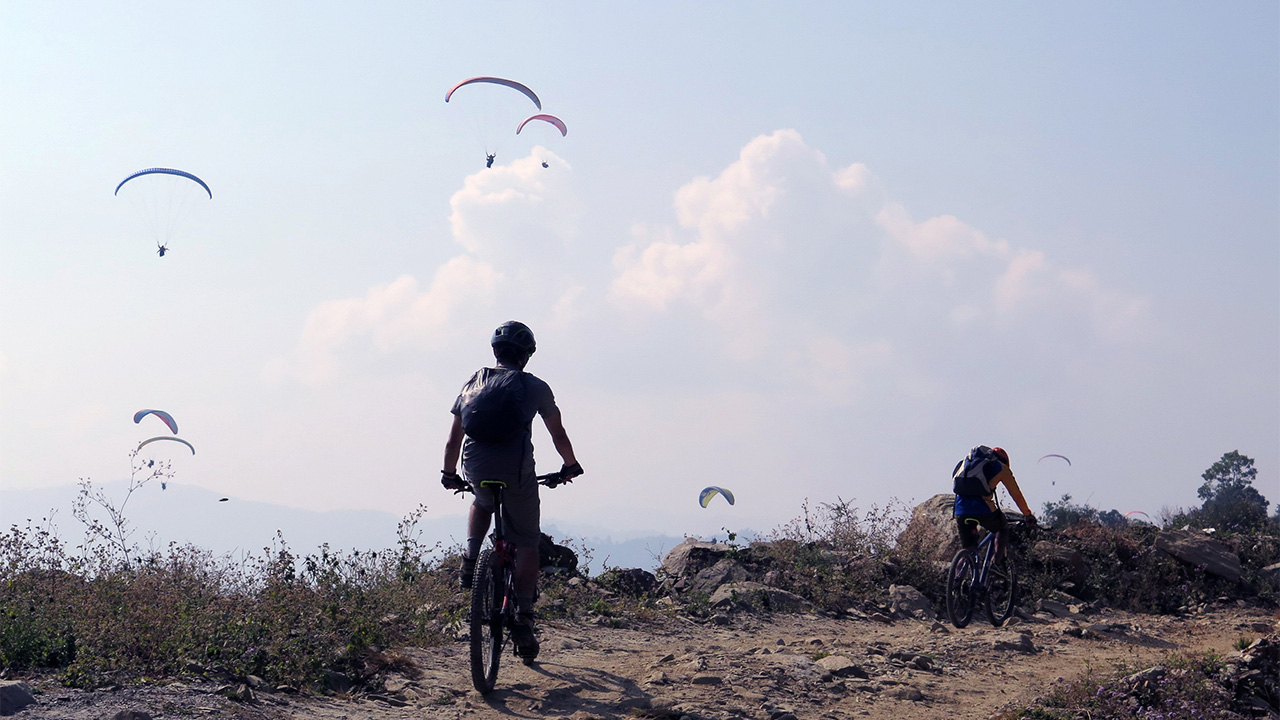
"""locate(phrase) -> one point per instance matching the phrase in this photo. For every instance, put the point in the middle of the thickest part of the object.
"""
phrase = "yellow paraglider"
(705, 497)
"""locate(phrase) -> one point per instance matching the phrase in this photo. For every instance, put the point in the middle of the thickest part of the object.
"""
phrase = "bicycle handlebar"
(550, 480)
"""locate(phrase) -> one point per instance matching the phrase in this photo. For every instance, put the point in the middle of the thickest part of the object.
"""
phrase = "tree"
(1231, 502)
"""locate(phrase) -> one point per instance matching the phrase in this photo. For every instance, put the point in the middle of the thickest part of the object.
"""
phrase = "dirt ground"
(755, 666)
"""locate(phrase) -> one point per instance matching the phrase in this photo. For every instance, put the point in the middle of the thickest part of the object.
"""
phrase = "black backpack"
(493, 405)
(973, 474)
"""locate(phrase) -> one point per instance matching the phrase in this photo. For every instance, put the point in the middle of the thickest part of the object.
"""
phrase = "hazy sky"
(798, 250)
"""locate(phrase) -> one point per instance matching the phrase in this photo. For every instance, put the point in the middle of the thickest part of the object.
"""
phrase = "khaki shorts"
(521, 510)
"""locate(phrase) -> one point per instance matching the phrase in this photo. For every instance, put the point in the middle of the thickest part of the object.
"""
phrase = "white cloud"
(516, 222)
(517, 211)
(938, 238)
(390, 317)
(780, 252)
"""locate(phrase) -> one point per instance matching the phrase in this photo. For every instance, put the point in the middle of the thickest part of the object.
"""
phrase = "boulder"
(692, 555)
(1196, 548)
(932, 528)
(1067, 563)
(556, 557)
(756, 596)
(633, 582)
(725, 571)
(1271, 574)
(14, 696)
(910, 602)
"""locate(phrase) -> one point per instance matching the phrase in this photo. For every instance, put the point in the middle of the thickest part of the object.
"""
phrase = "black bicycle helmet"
(517, 334)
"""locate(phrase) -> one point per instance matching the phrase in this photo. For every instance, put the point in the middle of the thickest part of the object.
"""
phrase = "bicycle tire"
(1002, 586)
(486, 623)
(960, 580)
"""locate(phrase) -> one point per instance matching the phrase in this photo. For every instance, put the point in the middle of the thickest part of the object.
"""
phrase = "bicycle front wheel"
(1002, 585)
(960, 584)
(487, 589)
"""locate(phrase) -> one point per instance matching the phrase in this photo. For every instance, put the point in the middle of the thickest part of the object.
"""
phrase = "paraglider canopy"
(1064, 457)
(165, 171)
(164, 416)
(162, 198)
(552, 119)
(148, 441)
(705, 497)
(496, 81)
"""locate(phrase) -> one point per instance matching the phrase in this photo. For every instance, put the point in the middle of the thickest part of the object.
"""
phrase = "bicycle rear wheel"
(486, 622)
(960, 583)
(1002, 585)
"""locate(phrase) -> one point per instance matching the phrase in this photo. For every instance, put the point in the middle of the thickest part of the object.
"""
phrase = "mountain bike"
(979, 576)
(493, 594)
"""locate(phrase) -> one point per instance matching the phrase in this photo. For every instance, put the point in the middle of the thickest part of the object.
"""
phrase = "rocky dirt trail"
(753, 666)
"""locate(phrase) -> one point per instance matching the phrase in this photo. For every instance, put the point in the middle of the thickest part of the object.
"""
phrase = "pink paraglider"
(1064, 457)
(164, 417)
(557, 122)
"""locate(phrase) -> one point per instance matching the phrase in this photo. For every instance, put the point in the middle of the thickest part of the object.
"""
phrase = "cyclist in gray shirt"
(511, 460)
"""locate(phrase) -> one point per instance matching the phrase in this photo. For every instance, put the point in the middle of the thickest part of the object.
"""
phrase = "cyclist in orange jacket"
(974, 510)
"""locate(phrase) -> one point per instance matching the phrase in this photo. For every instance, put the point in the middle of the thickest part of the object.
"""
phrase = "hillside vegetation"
(107, 611)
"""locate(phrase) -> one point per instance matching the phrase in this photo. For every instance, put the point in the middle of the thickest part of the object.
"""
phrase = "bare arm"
(559, 438)
(453, 446)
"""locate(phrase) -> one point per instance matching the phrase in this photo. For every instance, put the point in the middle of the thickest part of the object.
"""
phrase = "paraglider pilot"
(161, 250)
(488, 159)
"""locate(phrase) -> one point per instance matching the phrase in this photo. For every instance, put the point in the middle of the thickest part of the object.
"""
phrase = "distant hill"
(187, 514)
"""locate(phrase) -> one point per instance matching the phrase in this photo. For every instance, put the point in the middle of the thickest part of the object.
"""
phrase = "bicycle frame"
(493, 595)
(976, 573)
(504, 552)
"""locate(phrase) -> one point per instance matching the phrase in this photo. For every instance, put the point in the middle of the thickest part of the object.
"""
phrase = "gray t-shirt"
(498, 461)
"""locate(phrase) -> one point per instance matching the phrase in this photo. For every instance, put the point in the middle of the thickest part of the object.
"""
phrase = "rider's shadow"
(615, 693)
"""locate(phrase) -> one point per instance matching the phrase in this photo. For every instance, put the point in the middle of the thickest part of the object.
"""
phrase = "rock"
(756, 596)
(336, 682)
(1196, 548)
(906, 692)
(553, 556)
(841, 666)
(706, 680)
(131, 715)
(938, 627)
(908, 601)
(1272, 574)
(632, 582)
(1014, 642)
(932, 528)
(14, 695)
(724, 571)
(692, 555)
(1057, 609)
(388, 699)
(1068, 562)
(657, 678)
